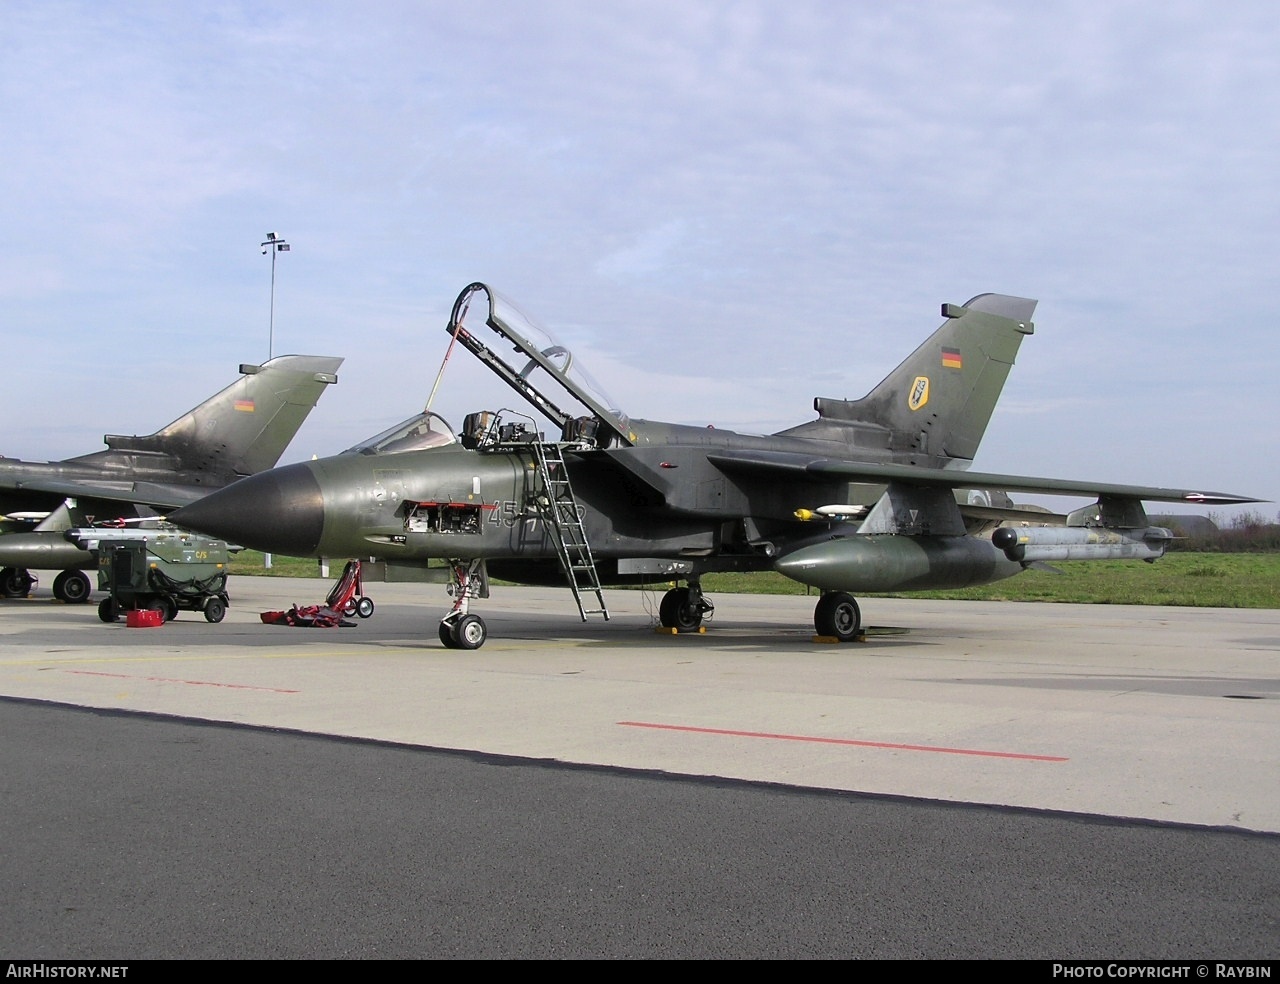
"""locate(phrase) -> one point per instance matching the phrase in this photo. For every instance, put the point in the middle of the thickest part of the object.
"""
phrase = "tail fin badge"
(919, 393)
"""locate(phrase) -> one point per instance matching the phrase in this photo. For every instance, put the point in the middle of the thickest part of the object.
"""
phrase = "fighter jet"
(872, 496)
(241, 430)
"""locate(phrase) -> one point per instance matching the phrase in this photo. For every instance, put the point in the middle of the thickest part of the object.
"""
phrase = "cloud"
(731, 197)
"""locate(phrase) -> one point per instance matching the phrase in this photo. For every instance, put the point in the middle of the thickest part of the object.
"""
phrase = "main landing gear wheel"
(73, 587)
(15, 582)
(678, 610)
(837, 615)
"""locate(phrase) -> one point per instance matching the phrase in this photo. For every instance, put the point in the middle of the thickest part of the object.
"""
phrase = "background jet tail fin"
(938, 402)
(245, 428)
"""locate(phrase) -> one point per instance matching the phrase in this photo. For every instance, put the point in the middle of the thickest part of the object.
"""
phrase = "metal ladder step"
(560, 515)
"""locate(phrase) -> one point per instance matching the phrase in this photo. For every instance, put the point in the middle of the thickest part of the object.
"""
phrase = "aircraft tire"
(16, 582)
(446, 635)
(675, 612)
(107, 610)
(470, 632)
(364, 607)
(837, 615)
(73, 587)
(214, 610)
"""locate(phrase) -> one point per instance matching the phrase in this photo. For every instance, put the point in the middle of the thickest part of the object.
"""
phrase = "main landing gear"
(73, 587)
(683, 609)
(15, 582)
(459, 629)
(837, 616)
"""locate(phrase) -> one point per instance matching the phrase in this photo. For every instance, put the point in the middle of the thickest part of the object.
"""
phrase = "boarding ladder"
(558, 508)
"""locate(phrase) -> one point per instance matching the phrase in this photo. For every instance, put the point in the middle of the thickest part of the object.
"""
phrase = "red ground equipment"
(346, 598)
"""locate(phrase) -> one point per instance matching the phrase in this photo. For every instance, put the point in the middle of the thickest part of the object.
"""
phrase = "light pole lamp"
(274, 244)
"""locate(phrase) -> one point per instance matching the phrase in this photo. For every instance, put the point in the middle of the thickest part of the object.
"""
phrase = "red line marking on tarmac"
(847, 741)
(193, 683)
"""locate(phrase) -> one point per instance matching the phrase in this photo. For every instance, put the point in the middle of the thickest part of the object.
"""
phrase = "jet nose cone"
(277, 511)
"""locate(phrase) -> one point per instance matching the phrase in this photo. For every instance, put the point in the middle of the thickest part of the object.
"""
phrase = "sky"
(724, 208)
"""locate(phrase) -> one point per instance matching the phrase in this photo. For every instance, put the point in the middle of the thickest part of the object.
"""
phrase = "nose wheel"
(467, 632)
(460, 629)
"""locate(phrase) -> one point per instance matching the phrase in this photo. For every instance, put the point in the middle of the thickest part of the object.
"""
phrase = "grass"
(1194, 580)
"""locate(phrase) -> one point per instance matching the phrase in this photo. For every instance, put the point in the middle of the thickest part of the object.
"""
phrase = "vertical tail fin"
(935, 406)
(245, 428)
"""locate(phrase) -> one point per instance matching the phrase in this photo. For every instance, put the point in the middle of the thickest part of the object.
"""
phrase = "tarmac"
(1134, 719)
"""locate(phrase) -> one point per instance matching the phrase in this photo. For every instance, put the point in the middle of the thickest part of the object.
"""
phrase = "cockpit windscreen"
(423, 430)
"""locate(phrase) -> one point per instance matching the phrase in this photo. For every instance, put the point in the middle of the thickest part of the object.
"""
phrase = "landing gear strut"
(837, 615)
(459, 629)
(683, 609)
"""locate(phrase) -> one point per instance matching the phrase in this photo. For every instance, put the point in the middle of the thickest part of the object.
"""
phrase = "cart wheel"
(167, 607)
(364, 608)
(107, 610)
(214, 610)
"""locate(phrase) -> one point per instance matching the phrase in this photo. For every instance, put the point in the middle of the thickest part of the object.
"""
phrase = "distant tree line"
(1248, 532)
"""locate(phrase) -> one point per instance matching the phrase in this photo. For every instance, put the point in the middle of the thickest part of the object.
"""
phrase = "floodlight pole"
(273, 244)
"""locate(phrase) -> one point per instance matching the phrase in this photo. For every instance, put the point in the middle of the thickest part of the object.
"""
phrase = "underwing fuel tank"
(43, 552)
(1075, 543)
(896, 563)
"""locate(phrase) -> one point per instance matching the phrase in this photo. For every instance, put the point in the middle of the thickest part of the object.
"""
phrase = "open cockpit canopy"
(543, 370)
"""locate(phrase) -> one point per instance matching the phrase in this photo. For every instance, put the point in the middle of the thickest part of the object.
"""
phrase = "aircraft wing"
(801, 466)
(1011, 514)
(139, 493)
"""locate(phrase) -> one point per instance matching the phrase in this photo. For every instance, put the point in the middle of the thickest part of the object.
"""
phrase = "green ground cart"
(167, 572)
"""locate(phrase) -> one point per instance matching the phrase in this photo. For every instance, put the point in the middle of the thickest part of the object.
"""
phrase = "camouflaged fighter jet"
(239, 431)
(870, 496)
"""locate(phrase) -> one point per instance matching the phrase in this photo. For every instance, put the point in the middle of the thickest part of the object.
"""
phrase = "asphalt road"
(974, 781)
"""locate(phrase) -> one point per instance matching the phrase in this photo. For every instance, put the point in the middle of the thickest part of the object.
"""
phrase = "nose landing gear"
(459, 629)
